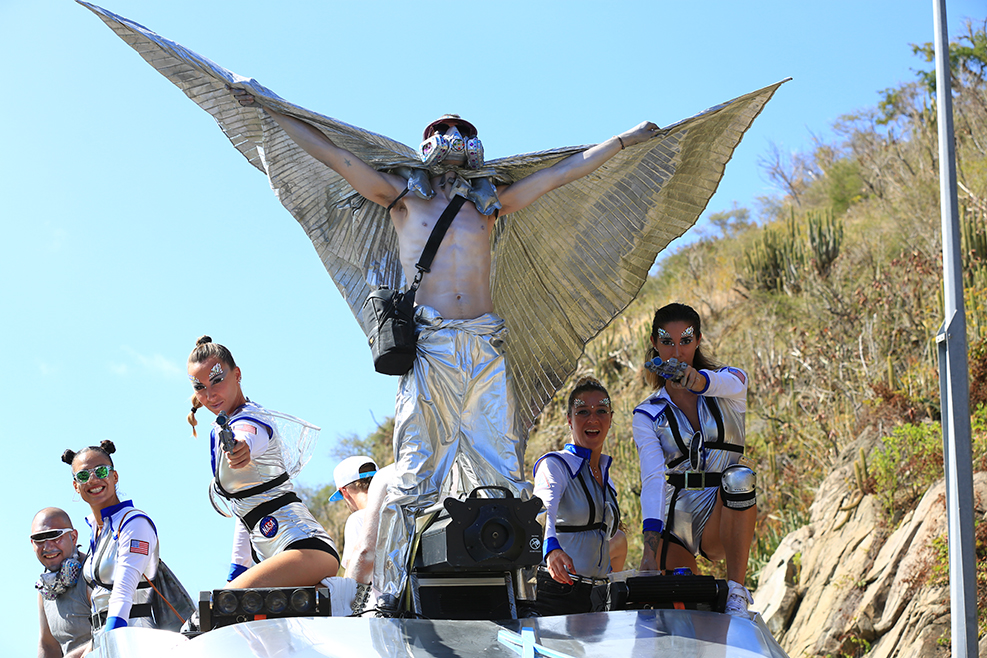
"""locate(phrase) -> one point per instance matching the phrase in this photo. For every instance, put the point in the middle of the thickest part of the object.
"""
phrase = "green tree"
(379, 445)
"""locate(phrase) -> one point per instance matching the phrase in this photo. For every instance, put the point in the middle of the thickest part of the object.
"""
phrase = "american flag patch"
(249, 429)
(138, 546)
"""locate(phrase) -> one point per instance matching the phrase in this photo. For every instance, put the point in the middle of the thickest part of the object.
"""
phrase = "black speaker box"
(664, 592)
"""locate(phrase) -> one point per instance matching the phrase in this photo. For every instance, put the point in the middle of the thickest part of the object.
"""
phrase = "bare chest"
(469, 233)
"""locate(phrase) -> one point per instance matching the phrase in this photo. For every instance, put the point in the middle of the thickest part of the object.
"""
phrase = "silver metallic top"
(554, 294)
(262, 468)
(717, 443)
(123, 557)
(586, 514)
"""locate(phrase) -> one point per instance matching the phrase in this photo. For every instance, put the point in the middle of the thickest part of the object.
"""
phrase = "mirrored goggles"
(40, 538)
(99, 472)
(464, 130)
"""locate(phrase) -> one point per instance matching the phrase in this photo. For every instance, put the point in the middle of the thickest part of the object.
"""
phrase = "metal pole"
(954, 384)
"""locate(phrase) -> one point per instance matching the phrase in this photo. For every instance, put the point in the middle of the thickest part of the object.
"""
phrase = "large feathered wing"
(353, 237)
(568, 264)
(563, 267)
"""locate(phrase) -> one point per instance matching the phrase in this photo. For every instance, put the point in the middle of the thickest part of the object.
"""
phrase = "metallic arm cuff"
(360, 600)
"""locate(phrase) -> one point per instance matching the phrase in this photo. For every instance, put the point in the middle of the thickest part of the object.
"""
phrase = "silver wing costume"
(554, 294)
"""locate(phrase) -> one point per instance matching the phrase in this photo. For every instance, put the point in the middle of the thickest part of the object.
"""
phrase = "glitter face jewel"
(217, 374)
(688, 332)
(663, 334)
(583, 410)
(194, 380)
(579, 402)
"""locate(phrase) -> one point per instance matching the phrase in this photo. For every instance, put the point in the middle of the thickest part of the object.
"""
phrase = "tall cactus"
(776, 262)
(825, 240)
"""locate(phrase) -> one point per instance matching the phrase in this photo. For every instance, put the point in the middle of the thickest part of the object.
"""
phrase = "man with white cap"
(352, 477)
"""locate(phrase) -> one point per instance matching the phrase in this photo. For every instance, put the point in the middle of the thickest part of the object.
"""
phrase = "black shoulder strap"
(673, 425)
(720, 443)
(395, 202)
(714, 409)
(101, 545)
(439, 232)
(581, 476)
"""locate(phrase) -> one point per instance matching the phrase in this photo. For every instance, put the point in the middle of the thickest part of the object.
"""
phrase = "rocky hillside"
(846, 584)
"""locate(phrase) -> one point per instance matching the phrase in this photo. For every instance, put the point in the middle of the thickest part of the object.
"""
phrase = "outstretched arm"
(527, 190)
(377, 186)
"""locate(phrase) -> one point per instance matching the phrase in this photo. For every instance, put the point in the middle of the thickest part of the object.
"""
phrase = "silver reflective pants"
(453, 407)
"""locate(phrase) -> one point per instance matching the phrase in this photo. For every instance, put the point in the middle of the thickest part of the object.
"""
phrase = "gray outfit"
(68, 615)
(262, 496)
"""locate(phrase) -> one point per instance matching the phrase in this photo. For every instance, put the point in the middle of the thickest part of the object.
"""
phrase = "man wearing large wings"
(475, 389)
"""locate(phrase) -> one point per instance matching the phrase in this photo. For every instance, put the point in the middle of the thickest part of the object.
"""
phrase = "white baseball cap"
(348, 472)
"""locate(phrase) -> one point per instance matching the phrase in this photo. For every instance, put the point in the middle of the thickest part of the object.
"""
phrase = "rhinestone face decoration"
(579, 402)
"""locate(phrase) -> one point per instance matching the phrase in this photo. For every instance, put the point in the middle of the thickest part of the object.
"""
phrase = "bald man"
(63, 598)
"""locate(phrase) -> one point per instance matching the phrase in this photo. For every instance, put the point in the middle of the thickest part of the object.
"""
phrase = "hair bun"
(68, 456)
(203, 340)
(107, 446)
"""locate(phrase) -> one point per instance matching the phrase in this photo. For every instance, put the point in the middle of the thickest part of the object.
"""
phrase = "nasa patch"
(269, 526)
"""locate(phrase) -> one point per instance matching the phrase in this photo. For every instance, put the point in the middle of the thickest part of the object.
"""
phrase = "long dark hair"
(676, 312)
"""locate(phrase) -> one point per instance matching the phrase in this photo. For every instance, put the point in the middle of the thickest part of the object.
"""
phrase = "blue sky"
(132, 226)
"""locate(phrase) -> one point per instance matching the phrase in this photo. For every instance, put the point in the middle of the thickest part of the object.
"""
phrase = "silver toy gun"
(672, 370)
(225, 433)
